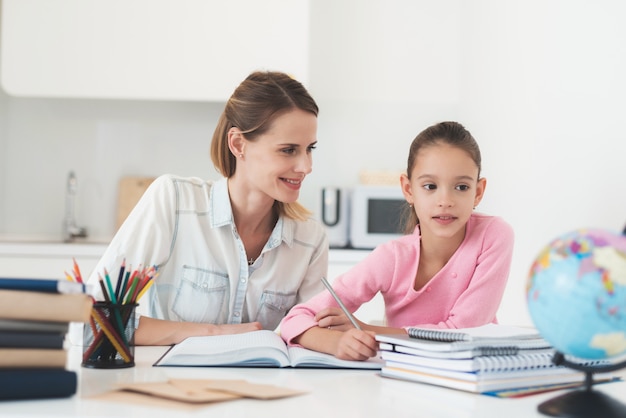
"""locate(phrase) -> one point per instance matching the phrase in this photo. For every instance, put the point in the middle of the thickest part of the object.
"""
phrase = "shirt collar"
(221, 211)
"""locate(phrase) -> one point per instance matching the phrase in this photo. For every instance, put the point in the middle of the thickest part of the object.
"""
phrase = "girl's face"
(444, 189)
(277, 161)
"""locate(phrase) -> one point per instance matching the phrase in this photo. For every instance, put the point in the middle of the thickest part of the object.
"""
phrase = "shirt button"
(205, 285)
(429, 289)
(243, 280)
(236, 314)
(454, 275)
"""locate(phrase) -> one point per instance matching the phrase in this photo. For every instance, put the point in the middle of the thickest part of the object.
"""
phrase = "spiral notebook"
(484, 332)
(531, 360)
(487, 340)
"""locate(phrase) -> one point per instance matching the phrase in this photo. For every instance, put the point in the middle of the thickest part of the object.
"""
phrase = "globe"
(576, 293)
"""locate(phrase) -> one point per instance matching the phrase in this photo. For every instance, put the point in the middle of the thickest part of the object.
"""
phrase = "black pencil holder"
(109, 337)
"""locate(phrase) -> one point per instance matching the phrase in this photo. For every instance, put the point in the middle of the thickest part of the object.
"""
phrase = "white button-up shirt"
(185, 227)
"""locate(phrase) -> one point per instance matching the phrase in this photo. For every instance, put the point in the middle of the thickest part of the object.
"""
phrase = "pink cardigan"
(466, 292)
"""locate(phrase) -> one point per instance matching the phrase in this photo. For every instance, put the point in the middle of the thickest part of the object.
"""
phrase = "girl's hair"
(451, 133)
(253, 106)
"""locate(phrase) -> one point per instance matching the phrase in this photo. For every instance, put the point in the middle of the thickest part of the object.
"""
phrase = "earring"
(240, 155)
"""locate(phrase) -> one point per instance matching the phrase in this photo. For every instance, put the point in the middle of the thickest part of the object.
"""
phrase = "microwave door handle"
(331, 206)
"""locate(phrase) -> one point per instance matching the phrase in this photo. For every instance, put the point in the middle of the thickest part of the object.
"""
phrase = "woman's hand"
(233, 328)
(161, 332)
(334, 318)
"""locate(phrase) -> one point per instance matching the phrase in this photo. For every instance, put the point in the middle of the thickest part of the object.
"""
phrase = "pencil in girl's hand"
(340, 303)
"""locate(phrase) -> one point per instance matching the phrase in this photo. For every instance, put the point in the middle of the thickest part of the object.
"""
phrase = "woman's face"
(277, 162)
(444, 189)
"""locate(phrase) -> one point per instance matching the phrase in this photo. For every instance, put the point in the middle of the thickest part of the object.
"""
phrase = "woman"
(232, 255)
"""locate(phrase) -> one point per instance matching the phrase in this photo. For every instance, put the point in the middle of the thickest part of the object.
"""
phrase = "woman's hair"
(253, 106)
(451, 133)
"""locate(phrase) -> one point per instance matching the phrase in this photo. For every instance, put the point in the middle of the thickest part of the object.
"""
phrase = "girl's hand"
(334, 318)
(355, 344)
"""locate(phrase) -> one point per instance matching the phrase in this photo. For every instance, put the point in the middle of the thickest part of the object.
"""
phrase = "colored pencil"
(120, 277)
(107, 278)
(79, 277)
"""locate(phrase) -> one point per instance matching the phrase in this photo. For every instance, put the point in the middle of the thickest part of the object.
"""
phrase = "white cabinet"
(47, 260)
(193, 50)
(340, 261)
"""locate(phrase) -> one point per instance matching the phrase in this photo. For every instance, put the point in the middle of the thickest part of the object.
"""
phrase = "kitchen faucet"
(70, 229)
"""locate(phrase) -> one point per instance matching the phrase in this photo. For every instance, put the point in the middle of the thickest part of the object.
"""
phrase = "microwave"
(376, 215)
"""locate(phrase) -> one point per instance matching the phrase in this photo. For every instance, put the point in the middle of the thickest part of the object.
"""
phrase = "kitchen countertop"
(38, 246)
(29, 245)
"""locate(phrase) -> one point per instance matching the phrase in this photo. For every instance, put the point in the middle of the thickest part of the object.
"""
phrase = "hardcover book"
(37, 383)
(44, 306)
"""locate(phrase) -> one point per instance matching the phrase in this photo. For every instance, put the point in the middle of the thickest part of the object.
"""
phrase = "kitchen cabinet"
(188, 50)
(47, 260)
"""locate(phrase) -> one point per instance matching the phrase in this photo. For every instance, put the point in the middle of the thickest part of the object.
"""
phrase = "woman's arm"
(160, 332)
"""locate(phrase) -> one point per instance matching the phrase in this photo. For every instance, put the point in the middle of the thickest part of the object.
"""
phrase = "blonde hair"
(253, 106)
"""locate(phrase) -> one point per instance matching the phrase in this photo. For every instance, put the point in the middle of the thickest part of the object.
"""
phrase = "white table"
(331, 393)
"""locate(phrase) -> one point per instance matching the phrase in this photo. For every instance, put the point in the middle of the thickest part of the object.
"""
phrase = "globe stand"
(584, 403)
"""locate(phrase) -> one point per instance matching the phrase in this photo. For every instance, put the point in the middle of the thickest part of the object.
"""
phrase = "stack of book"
(493, 359)
(34, 320)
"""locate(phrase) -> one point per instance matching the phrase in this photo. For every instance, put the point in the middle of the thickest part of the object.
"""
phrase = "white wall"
(539, 83)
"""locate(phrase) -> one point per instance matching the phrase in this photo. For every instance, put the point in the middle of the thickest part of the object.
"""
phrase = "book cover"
(14, 358)
(28, 325)
(41, 306)
(31, 339)
(42, 285)
(479, 346)
(37, 383)
(482, 384)
(262, 348)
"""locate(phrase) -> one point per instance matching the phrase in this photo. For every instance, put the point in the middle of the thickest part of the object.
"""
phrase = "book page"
(302, 357)
(257, 348)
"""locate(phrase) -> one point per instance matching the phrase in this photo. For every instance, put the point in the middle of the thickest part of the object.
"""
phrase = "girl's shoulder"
(483, 224)
(406, 245)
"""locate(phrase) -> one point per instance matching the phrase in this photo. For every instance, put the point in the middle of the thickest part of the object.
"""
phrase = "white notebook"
(484, 332)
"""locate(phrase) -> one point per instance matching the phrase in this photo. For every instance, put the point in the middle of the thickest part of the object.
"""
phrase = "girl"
(235, 254)
(450, 272)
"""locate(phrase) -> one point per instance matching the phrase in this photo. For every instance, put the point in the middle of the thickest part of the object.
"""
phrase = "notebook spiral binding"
(436, 335)
(532, 361)
(495, 351)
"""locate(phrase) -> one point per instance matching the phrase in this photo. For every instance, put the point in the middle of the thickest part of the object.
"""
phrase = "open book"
(253, 349)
